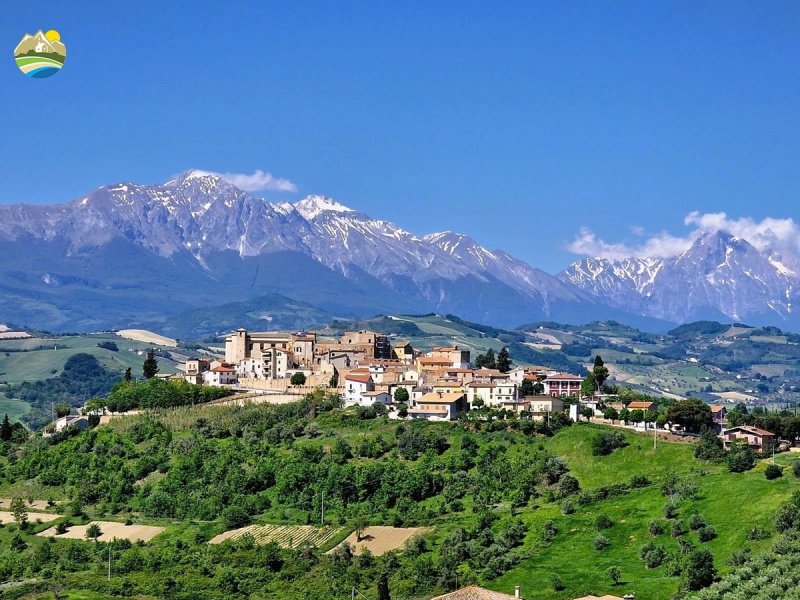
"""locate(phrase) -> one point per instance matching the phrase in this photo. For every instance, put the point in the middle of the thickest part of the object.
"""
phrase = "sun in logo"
(40, 55)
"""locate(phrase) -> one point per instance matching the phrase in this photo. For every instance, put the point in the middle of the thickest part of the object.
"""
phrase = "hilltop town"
(366, 369)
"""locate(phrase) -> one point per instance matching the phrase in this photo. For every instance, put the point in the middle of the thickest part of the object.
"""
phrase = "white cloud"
(769, 233)
(257, 181)
(662, 245)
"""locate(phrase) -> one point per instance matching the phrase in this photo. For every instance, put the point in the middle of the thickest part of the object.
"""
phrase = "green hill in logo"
(40, 55)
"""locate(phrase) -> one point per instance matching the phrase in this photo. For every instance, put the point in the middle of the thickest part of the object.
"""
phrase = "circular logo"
(40, 55)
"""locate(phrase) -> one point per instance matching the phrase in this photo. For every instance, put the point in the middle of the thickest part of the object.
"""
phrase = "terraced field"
(286, 536)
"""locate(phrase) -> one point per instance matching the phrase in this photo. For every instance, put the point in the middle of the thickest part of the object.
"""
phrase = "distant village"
(366, 368)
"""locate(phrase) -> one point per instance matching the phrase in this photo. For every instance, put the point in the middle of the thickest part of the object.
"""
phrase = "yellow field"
(148, 337)
(110, 530)
(380, 540)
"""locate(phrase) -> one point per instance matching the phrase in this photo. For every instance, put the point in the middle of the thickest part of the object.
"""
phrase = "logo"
(41, 55)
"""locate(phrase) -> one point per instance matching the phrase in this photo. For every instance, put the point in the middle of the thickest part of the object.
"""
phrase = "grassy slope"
(724, 498)
(15, 409)
(36, 363)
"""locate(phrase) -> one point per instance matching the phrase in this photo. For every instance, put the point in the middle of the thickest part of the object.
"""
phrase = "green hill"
(509, 503)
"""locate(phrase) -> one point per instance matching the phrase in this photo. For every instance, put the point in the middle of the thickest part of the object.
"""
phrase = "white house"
(220, 375)
(370, 398)
(355, 385)
(438, 407)
(78, 421)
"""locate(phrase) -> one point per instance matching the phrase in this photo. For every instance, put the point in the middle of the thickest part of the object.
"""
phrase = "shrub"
(677, 529)
(567, 507)
(655, 527)
(757, 533)
(773, 472)
(549, 530)
(696, 521)
(606, 442)
(796, 468)
(707, 533)
(556, 582)
(298, 378)
(670, 511)
(741, 459)
(652, 555)
(601, 542)
(603, 521)
(640, 481)
(235, 517)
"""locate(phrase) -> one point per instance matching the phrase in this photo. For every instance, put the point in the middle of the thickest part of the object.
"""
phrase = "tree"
(383, 586)
(334, 382)
(477, 402)
(486, 361)
(19, 512)
(128, 374)
(693, 414)
(361, 526)
(589, 385)
(600, 372)
(610, 413)
(538, 388)
(62, 409)
(93, 532)
(700, 571)
(526, 388)
(503, 360)
(298, 378)
(402, 410)
(150, 366)
(614, 574)
(5, 429)
(401, 396)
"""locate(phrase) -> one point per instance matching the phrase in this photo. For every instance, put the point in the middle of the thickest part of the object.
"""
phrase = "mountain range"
(154, 255)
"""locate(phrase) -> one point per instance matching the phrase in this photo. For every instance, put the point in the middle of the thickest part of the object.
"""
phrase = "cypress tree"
(150, 366)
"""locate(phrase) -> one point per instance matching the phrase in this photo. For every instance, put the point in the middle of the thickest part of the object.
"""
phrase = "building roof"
(447, 349)
(715, 408)
(562, 376)
(222, 370)
(477, 384)
(638, 404)
(756, 430)
(375, 393)
(436, 398)
(434, 360)
(359, 378)
(473, 592)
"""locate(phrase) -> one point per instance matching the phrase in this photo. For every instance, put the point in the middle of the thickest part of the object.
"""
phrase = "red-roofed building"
(759, 440)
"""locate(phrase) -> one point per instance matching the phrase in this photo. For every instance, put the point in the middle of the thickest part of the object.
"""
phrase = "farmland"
(286, 536)
(110, 530)
(380, 539)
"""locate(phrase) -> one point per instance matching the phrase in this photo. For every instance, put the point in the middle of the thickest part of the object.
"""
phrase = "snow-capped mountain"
(198, 239)
(719, 276)
(135, 254)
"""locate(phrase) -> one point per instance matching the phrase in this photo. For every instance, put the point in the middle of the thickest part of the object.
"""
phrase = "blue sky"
(518, 123)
